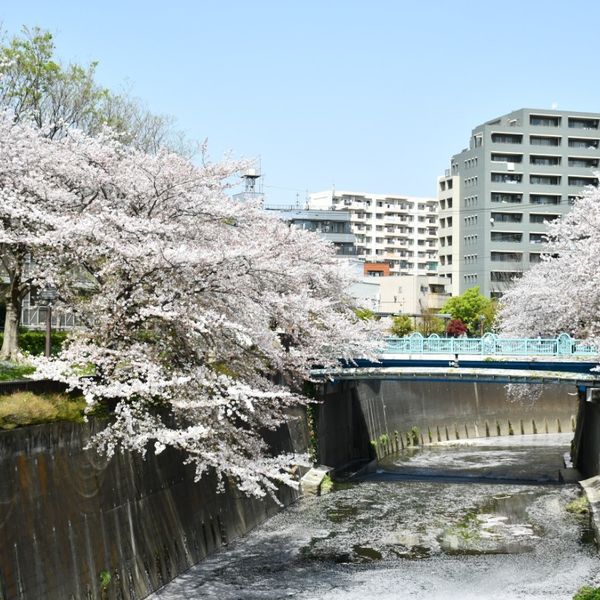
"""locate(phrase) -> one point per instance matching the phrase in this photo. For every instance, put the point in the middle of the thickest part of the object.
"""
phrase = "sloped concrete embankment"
(373, 418)
(75, 525)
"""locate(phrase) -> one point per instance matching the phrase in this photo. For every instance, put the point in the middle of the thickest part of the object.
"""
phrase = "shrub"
(34, 342)
(401, 326)
(587, 593)
(456, 328)
(365, 314)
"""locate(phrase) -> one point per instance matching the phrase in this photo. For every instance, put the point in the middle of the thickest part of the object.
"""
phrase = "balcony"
(582, 123)
(510, 178)
(507, 138)
(544, 161)
(436, 300)
(584, 163)
(584, 143)
(582, 181)
(544, 179)
(541, 140)
(506, 236)
(506, 197)
(545, 199)
(544, 120)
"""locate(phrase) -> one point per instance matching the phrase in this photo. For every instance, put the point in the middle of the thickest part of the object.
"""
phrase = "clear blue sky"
(371, 96)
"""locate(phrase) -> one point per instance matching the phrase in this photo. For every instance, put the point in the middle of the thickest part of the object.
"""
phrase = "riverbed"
(481, 519)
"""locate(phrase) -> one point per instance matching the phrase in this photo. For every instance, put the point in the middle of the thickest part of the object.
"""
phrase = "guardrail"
(490, 345)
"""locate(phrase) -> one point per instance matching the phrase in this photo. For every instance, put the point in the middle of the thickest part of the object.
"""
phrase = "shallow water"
(385, 537)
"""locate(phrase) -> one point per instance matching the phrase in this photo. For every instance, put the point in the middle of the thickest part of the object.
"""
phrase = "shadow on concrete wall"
(71, 520)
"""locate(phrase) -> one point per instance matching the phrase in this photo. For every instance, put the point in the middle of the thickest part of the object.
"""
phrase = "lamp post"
(47, 296)
(446, 318)
(481, 321)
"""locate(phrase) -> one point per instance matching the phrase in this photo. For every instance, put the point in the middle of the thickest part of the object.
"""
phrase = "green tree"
(401, 325)
(430, 323)
(34, 85)
(473, 309)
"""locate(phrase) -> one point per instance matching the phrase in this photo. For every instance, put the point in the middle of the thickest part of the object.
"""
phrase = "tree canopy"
(38, 91)
(561, 293)
(472, 308)
(193, 305)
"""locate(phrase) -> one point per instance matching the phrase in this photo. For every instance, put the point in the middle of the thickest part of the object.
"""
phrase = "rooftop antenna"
(297, 200)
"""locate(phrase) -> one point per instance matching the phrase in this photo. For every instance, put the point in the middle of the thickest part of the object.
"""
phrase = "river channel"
(485, 519)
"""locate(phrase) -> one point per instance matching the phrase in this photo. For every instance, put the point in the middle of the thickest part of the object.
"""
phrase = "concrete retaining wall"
(396, 413)
(69, 518)
(586, 450)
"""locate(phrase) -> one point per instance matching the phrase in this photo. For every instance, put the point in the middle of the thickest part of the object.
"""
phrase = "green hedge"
(34, 342)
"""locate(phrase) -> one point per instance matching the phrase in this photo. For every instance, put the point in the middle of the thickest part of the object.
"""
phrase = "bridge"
(491, 345)
(489, 359)
(423, 390)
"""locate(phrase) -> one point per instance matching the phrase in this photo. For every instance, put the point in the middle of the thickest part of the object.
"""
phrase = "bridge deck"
(464, 374)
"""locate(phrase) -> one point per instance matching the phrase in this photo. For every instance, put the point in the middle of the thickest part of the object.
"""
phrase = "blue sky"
(370, 96)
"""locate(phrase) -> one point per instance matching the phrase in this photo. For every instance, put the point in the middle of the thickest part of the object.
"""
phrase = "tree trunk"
(10, 343)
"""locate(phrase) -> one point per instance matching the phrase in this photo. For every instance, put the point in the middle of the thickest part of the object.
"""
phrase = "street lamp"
(481, 321)
(446, 318)
(47, 296)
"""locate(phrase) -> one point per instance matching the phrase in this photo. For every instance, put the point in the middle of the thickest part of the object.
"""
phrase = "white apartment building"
(401, 231)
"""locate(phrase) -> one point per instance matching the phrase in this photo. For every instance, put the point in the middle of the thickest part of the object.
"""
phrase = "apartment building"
(333, 226)
(520, 172)
(401, 231)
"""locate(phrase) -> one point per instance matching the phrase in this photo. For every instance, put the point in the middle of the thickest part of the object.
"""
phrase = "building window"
(499, 217)
(544, 179)
(548, 161)
(586, 163)
(506, 197)
(507, 138)
(508, 158)
(544, 199)
(583, 181)
(504, 276)
(544, 120)
(537, 238)
(506, 256)
(535, 257)
(507, 177)
(542, 218)
(584, 143)
(541, 140)
(582, 123)
(506, 236)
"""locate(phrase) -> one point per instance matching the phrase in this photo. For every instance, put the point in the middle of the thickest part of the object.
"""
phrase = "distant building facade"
(401, 231)
(333, 226)
(520, 171)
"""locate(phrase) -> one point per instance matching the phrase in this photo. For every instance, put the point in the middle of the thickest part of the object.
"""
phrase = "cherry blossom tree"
(202, 317)
(37, 90)
(42, 184)
(562, 293)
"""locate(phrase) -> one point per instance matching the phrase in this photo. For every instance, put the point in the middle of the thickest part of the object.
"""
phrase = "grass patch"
(587, 593)
(12, 371)
(579, 506)
(26, 408)
(326, 485)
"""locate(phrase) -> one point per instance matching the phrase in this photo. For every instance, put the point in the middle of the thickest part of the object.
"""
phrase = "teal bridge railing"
(489, 345)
